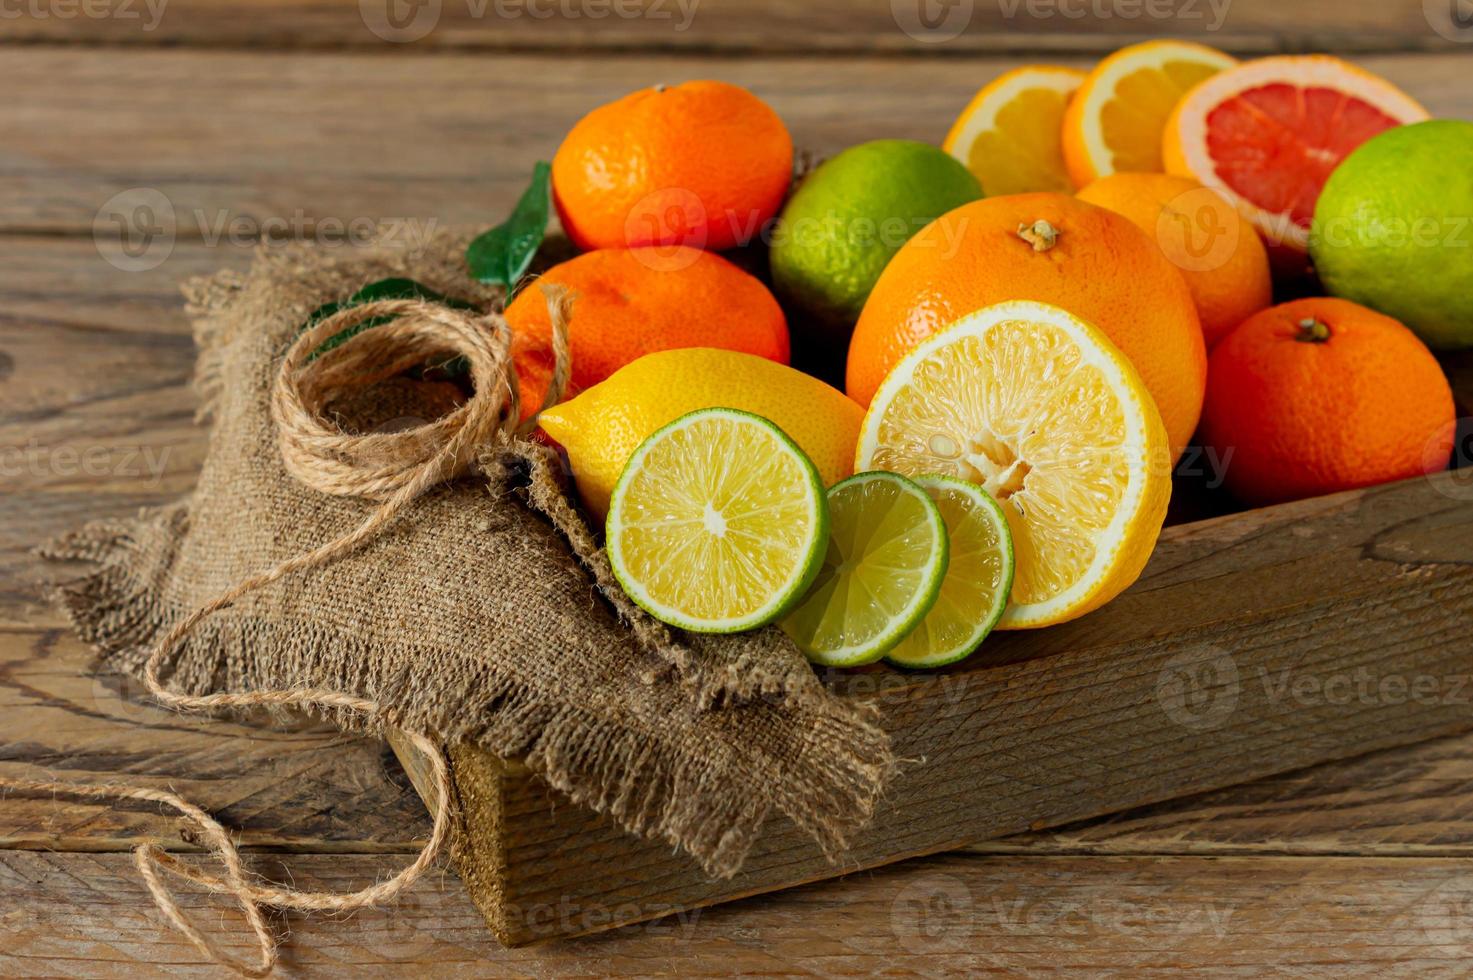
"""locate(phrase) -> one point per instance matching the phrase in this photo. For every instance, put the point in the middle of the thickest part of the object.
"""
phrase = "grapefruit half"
(1268, 133)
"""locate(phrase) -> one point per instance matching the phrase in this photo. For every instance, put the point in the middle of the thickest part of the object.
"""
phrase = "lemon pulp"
(1044, 413)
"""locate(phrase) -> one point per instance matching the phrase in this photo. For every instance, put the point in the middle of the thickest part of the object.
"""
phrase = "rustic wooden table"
(284, 119)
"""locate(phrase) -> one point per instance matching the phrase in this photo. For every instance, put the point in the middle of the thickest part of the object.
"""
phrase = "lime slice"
(718, 522)
(979, 577)
(883, 570)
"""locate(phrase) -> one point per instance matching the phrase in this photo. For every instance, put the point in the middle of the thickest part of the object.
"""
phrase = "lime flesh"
(979, 577)
(718, 523)
(881, 573)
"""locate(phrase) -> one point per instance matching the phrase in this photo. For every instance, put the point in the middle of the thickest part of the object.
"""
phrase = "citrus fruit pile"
(932, 390)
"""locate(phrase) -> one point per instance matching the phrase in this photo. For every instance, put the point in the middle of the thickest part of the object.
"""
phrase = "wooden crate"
(1254, 644)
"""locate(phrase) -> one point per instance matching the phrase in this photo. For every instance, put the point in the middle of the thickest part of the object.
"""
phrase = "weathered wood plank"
(236, 142)
(1412, 801)
(96, 413)
(63, 307)
(88, 915)
(304, 786)
(1253, 645)
(738, 26)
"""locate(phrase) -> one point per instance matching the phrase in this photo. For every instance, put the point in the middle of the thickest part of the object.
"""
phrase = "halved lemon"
(1008, 135)
(1047, 415)
(882, 572)
(1115, 121)
(979, 577)
(718, 522)
(1268, 133)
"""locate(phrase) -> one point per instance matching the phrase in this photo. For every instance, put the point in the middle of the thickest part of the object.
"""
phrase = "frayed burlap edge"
(116, 609)
(715, 678)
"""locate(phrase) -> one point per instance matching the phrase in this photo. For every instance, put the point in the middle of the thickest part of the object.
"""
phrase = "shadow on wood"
(1254, 644)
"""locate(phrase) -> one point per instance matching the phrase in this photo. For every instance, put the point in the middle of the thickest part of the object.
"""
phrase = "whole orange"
(704, 164)
(1217, 250)
(628, 302)
(1050, 248)
(1320, 395)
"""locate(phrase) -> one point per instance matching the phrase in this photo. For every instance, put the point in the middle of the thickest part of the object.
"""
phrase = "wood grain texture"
(282, 146)
(738, 26)
(300, 787)
(95, 358)
(96, 411)
(60, 303)
(1233, 658)
(1412, 801)
(88, 915)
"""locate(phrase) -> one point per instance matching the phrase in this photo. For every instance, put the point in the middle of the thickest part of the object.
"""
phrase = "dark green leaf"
(503, 254)
(396, 288)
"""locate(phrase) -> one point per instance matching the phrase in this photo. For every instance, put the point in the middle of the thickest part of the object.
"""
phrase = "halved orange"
(1267, 134)
(1009, 134)
(1114, 123)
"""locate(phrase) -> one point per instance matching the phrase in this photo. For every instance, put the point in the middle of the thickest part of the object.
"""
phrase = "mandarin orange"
(1321, 395)
(704, 164)
(632, 302)
(1053, 249)
(1216, 249)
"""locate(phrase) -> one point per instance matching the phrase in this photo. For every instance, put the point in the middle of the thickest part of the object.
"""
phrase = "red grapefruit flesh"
(1267, 134)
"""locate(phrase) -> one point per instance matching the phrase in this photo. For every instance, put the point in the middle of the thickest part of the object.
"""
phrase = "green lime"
(882, 572)
(979, 577)
(1393, 229)
(718, 522)
(850, 215)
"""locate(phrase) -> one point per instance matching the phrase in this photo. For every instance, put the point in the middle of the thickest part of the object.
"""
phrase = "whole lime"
(1393, 229)
(850, 215)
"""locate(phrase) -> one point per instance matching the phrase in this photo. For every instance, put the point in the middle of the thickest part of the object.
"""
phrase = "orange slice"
(1114, 123)
(1009, 134)
(1267, 134)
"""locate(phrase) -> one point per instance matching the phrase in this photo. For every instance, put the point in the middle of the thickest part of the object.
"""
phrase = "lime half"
(717, 523)
(979, 577)
(881, 574)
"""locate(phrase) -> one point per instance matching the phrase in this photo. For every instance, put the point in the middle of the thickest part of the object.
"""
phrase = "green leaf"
(503, 254)
(395, 288)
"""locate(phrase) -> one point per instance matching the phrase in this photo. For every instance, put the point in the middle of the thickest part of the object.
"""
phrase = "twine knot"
(394, 468)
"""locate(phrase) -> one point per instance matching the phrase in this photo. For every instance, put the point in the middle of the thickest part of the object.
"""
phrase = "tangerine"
(704, 164)
(1217, 249)
(1321, 395)
(632, 302)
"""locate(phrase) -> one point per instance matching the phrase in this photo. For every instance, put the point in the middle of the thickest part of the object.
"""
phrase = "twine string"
(394, 468)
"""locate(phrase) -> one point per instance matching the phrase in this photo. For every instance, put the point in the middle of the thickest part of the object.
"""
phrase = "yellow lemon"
(604, 425)
(1009, 134)
(1046, 414)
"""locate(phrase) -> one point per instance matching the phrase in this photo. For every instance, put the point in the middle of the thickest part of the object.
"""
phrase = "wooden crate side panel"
(1349, 633)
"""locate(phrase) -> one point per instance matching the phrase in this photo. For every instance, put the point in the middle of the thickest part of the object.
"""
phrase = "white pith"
(1309, 71)
(1095, 351)
(712, 522)
(1117, 67)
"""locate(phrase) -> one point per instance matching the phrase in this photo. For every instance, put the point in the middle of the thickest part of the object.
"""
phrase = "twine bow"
(395, 468)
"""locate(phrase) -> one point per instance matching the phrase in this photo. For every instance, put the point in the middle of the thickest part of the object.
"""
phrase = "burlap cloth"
(472, 616)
